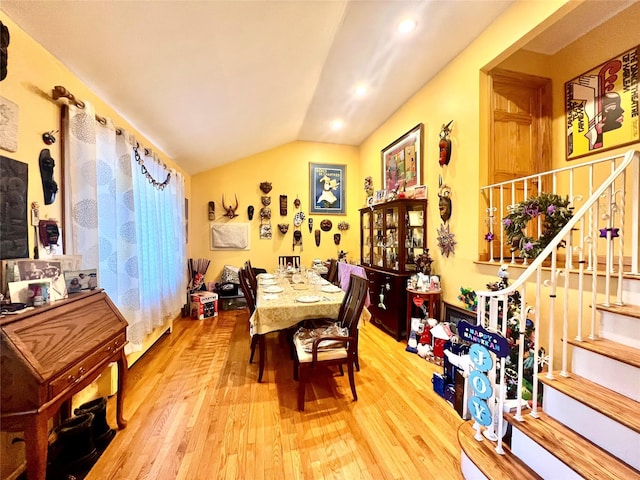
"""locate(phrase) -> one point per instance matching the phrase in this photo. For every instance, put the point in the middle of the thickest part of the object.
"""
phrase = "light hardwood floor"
(196, 411)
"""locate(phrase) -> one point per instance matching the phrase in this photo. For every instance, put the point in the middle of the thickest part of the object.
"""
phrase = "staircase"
(589, 425)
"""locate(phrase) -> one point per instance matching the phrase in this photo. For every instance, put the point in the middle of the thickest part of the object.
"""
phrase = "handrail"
(628, 158)
(489, 301)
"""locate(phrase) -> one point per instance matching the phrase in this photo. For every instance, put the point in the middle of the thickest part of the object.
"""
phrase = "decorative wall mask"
(445, 144)
(283, 227)
(265, 187)
(230, 211)
(310, 225)
(283, 205)
(250, 210)
(444, 202)
(265, 231)
(49, 186)
(266, 200)
(342, 226)
(317, 235)
(212, 210)
(265, 213)
(326, 225)
(297, 239)
(298, 218)
(296, 202)
(336, 238)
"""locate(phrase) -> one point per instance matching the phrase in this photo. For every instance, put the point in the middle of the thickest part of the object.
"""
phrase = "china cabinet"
(393, 237)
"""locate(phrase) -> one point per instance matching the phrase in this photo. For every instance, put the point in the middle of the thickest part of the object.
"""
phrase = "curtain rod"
(61, 92)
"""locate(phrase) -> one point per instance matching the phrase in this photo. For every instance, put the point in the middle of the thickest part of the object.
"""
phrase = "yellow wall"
(287, 168)
(32, 74)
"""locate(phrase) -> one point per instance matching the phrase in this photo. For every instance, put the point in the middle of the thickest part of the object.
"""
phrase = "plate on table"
(308, 299)
(268, 282)
(266, 276)
(331, 289)
(273, 289)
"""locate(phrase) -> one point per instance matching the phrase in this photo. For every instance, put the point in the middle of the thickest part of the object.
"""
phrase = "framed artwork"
(602, 107)
(402, 161)
(420, 192)
(381, 196)
(327, 188)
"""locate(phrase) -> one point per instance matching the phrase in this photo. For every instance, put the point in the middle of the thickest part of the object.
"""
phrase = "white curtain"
(121, 224)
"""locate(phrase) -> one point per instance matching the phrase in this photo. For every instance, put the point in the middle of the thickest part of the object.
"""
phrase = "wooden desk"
(431, 297)
(51, 353)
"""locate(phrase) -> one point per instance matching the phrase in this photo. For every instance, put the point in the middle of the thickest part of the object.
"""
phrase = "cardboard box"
(204, 305)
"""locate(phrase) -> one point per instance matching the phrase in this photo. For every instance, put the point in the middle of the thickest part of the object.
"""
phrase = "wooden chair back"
(332, 275)
(247, 291)
(251, 276)
(289, 260)
(353, 303)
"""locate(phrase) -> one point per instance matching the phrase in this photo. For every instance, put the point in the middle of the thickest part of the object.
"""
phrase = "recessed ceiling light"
(407, 25)
(337, 124)
(361, 90)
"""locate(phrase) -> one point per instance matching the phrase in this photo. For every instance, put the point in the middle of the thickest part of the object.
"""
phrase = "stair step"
(489, 462)
(628, 309)
(615, 406)
(608, 348)
(573, 450)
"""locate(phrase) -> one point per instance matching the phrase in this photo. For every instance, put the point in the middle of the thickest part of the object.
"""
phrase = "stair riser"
(617, 439)
(631, 291)
(469, 469)
(609, 373)
(620, 328)
(539, 459)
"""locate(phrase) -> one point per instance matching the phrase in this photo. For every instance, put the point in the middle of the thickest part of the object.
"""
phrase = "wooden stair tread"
(611, 349)
(578, 453)
(610, 403)
(493, 465)
(627, 309)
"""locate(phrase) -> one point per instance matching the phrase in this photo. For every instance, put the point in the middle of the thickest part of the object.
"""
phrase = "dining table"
(282, 304)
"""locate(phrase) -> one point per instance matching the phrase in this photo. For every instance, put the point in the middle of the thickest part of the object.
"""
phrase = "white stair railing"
(603, 222)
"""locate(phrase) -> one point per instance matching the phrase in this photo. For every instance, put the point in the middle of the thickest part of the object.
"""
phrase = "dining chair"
(251, 276)
(324, 349)
(289, 261)
(250, 297)
(332, 275)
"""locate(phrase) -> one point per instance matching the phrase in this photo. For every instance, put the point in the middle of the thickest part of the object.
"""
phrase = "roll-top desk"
(51, 353)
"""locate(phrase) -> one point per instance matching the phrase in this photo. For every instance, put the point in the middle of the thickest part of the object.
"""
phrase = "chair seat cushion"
(329, 350)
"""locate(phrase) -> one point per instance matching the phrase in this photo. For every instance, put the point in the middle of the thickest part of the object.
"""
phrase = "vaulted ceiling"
(210, 82)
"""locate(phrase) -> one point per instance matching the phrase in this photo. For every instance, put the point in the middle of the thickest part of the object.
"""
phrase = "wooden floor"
(196, 411)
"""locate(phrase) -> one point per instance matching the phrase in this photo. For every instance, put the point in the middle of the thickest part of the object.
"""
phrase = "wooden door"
(520, 129)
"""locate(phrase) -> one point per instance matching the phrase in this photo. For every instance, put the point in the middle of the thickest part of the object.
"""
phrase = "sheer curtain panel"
(132, 232)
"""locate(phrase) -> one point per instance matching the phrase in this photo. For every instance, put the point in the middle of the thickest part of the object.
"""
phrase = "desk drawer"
(79, 370)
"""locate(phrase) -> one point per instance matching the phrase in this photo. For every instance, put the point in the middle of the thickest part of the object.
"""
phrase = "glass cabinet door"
(366, 239)
(378, 239)
(391, 236)
(414, 241)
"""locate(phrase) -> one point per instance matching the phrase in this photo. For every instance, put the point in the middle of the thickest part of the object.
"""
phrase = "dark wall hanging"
(283, 227)
(317, 235)
(212, 210)
(5, 39)
(444, 201)
(283, 205)
(250, 210)
(14, 230)
(49, 186)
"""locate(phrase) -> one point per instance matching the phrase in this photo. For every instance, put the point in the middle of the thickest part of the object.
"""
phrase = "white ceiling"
(210, 82)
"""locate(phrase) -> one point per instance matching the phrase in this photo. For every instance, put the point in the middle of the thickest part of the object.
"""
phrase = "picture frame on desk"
(454, 314)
